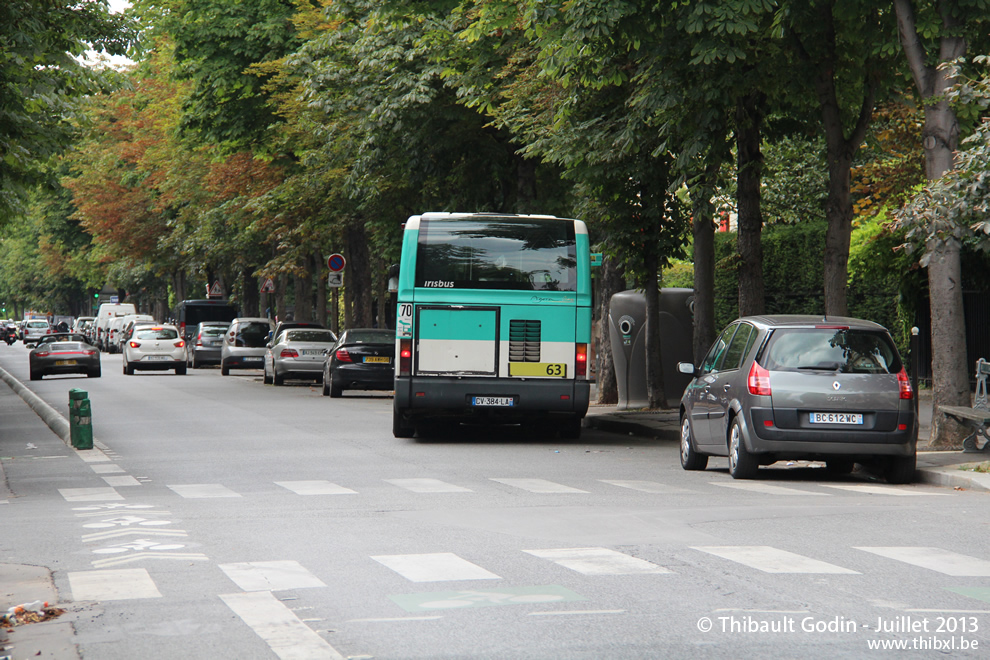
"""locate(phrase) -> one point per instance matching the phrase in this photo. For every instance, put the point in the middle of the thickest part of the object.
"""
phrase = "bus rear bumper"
(455, 397)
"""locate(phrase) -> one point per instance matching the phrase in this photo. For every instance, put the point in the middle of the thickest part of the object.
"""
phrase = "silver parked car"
(205, 344)
(800, 388)
(244, 344)
(298, 353)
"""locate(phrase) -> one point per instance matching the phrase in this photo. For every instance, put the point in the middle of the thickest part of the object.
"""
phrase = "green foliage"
(41, 82)
(795, 180)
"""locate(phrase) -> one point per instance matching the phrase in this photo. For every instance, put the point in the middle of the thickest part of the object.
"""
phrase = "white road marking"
(288, 637)
(120, 533)
(646, 486)
(94, 455)
(89, 494)
(771, 560)
(935, 559)
(270, 575)
(766, 489)
(428, 486)
(121, 480)
(109, 468)
(315, 488)
(539, 486)
(395, 619)
(883, 490)
(437, 567)
(125, 584)
(598, 561)
(573, 612)
(199, 491)
(141, 556)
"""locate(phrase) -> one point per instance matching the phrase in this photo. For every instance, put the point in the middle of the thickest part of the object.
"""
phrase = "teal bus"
(493, 322)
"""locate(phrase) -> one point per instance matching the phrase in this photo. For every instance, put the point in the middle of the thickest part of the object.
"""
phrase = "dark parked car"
(205, 344)
(362, 359)
(800, 388)
(64, 353)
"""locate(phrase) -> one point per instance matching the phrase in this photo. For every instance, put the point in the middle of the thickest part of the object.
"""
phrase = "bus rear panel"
(493, 322)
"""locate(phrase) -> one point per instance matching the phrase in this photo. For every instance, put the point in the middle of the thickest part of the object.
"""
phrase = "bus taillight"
(405, 357)
(580, 360)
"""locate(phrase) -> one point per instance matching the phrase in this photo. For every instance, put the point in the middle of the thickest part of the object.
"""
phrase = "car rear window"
(58, 346)
(309, 335)
(251, 335)
(370, 337)
(37, 324)
(156, 333)
(214, 331)
(846, 350)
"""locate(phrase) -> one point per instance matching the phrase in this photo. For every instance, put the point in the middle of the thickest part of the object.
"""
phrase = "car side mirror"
(687, 368)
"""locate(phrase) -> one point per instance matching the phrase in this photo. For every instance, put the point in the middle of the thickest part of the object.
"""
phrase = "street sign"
(215, 291)
(335, 280)
(336, 262)
(596, 259)
(268, 286)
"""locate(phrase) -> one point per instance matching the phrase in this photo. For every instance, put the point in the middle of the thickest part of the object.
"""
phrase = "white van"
(108, 312)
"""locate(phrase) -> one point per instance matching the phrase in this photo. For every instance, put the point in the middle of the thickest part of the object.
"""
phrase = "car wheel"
(266, 379)
(224, 369)
(326, 385)
(35, 375)
(277, 379)
(690, 459)
(180, 370)
(900, 469)
(839, 466)
(336, 391)
(128, 369)
(742, 464)
(95, 373)
(400, 426)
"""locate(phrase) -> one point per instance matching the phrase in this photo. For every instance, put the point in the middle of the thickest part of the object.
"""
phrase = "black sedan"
(362, 359)
(64, 353)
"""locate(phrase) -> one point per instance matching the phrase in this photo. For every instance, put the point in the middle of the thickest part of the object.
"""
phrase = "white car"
(155, 347)
(35, 330)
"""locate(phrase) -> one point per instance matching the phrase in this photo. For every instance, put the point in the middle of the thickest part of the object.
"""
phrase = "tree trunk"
(304, 293)
(358, 292)
(703, 228)
(251, 305)
(749, 119)
(940, 138)
(526, 185)
(611, 281)
(281, 287)
(320, 274)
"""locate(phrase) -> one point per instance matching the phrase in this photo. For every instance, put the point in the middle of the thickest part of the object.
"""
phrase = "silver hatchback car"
(244, 344)
(800, 388)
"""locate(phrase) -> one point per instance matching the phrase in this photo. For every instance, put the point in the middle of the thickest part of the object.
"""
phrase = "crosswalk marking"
(428, 486)
(121, 480)
(285, 634)
(270, 575)
(435, 567)
(935, 559)
(106, 468)
(89, 494)
(766, 489)
(882, 490)
(123, 584)
(541, 486)
(598, 561)
(199, 491)
(646, 486)
(772, 560)
(315, 488)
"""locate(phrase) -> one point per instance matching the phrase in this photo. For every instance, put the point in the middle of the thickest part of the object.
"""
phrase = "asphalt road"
(223, 518)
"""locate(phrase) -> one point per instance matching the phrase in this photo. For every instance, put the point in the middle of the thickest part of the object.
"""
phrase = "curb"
(953, 477)
(612, 425)
(55, 421)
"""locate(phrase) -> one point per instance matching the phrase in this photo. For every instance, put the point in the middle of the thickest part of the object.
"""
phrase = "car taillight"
(904, 384)
(289, 352)
(180, 344)
(134, 344)
(343, 355)
(405, 357)
(182, 329)
(199, 339)
(89, 352)
(759, 380)
(42, 354)
(580, 360)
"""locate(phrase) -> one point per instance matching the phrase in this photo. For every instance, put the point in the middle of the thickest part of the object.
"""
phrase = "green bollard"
(80, 420)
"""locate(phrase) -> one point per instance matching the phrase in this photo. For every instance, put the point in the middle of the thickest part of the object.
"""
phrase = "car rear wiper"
(821, 366)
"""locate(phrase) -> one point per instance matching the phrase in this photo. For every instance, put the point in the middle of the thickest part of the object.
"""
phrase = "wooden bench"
(976, 417)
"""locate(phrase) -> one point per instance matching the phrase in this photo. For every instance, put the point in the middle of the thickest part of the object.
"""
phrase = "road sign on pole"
(268, 286)
(336, 262)
(335, 280)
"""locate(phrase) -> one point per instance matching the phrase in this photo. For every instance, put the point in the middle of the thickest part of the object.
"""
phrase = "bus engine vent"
(524, 341)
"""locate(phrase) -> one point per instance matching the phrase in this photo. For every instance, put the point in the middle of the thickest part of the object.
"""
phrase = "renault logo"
(836, 386)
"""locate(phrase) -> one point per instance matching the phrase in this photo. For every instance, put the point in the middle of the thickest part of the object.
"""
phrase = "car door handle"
(726, 387)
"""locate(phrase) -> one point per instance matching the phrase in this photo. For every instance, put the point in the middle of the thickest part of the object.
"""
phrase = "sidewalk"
(944, 468)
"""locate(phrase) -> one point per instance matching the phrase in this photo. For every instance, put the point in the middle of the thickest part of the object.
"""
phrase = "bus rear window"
(525, 254)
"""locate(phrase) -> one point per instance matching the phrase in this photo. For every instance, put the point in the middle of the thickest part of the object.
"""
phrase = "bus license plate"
(836, 418)
(498, 401)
